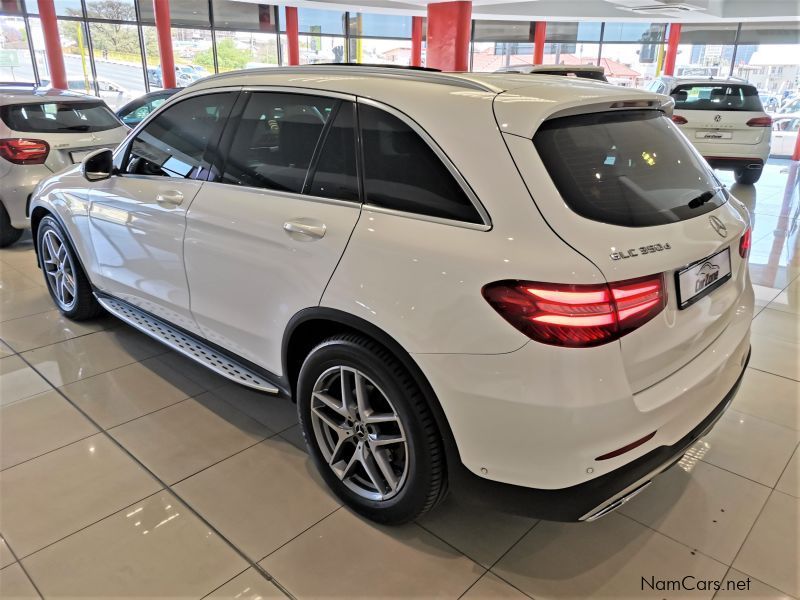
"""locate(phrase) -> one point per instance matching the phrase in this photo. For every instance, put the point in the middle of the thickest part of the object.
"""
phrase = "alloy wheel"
(59, 269)
(359, 433)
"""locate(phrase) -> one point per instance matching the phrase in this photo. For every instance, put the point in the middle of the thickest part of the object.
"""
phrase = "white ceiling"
(705, 11)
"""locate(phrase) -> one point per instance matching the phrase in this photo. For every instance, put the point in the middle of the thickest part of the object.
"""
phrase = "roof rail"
(389, 71)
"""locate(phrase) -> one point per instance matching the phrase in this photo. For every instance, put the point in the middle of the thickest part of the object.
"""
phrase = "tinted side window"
(335, 172)
(175, 143)
(403, 173)
(275, 140)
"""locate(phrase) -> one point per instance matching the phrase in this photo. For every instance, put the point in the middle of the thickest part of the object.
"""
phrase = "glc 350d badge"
(641, 250)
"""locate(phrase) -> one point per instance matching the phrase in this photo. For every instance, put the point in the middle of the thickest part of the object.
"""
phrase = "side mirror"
(98, 165)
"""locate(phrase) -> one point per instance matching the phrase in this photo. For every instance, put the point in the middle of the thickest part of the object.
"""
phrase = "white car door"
(264, 239)
(138, 216)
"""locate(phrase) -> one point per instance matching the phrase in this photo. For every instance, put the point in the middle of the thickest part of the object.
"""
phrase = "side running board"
(186, 345)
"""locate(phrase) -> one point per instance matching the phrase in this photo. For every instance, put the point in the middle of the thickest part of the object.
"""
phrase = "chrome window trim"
(462, 182)
(289, 195)
(418, 217)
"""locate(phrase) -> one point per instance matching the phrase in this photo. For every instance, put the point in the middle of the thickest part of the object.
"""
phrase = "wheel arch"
(312, 325)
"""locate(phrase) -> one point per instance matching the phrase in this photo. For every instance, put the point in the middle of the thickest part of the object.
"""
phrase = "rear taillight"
(760, 122)
(21, 151)
(679, 120)
(577, 316)
(745, 242)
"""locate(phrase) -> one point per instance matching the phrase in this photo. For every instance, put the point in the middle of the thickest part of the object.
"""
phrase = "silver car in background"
(42, 131)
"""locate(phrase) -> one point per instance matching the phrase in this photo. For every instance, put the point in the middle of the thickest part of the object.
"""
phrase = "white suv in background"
(550, 305)
(41, 132)
(726, 122)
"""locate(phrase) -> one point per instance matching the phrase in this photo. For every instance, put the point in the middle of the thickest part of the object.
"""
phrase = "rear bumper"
(594, 498)
(735, 163)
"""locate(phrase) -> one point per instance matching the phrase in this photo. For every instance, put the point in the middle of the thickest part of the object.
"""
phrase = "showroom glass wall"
(110, 46)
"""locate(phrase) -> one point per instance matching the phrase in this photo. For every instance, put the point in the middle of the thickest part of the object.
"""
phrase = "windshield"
(631, 168)
(59, 117)
(723, 96)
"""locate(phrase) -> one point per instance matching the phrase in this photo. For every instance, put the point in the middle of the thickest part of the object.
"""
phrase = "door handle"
(305, 230)
(170, 197)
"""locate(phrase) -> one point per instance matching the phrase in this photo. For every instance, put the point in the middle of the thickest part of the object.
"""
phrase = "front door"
(138, 216)
(264, 239)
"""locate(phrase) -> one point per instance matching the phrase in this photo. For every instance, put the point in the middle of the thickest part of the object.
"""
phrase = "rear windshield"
(723, 96)
(631, 168)
(59, 117)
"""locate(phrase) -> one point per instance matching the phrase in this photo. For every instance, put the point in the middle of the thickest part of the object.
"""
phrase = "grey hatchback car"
(41, 132)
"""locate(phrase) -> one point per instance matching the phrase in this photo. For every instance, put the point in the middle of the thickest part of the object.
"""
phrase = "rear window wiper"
(698, 201)
(77, 128)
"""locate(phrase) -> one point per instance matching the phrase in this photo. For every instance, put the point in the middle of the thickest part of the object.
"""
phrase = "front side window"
(721, 96)
(59, 117)
(402, 172)
(175, 143)
(275, 140)
(631, 168)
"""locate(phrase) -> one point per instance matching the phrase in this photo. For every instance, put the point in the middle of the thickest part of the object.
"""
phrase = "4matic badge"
(641, 250)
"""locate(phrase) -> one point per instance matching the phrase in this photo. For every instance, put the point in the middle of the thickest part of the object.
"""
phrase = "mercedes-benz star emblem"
(717, 118)
(718, 226)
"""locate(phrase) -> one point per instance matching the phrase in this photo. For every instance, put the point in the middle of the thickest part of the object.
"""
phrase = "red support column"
(416, 41)
(672, 48)
(292, 35)
(796, 153)
(164, 33)
(449, 29)
(52, 44)
(539, 33)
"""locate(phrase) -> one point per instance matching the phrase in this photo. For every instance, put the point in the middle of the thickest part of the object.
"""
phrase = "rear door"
(717, 114)
(626, 190)
(264, 237)
(138, 216)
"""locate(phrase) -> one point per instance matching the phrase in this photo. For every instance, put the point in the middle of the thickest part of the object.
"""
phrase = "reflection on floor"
(127, 471)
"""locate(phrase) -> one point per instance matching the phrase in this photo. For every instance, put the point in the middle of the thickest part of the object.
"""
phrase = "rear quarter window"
(631, 168)
(717, 97)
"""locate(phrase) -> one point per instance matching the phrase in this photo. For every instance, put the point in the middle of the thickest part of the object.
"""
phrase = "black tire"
(747, 176)
(83, 305)
(425, 482)
(8, 234)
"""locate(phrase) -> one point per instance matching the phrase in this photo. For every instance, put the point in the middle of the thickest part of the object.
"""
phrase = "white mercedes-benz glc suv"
(529, 287)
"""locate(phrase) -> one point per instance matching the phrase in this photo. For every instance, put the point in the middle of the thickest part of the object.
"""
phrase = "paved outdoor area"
(127, 471)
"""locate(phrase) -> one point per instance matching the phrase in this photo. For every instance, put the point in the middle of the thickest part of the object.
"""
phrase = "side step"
(186, 345)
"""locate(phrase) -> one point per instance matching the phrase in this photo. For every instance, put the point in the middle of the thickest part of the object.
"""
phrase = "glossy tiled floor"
(126, 471)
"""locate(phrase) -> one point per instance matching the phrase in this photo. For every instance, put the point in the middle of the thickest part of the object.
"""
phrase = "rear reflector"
(760, 122)
(577, 316)
(627, 448)
(21, 151)
(678, 120)
(745, 242)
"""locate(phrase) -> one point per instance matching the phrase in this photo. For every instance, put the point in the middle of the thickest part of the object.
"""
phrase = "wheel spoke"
(386, 468)
(385, 440)
(51, 249)
(69, 284)
(381, 418)
(331, 403)
(368, 462)
(326, 419)
(362, 399)
(346, 375)
(344, 438)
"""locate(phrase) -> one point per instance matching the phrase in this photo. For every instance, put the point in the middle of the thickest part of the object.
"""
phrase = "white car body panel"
(248, 276)
(528, 413)
(138, 243)
(784, 134)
